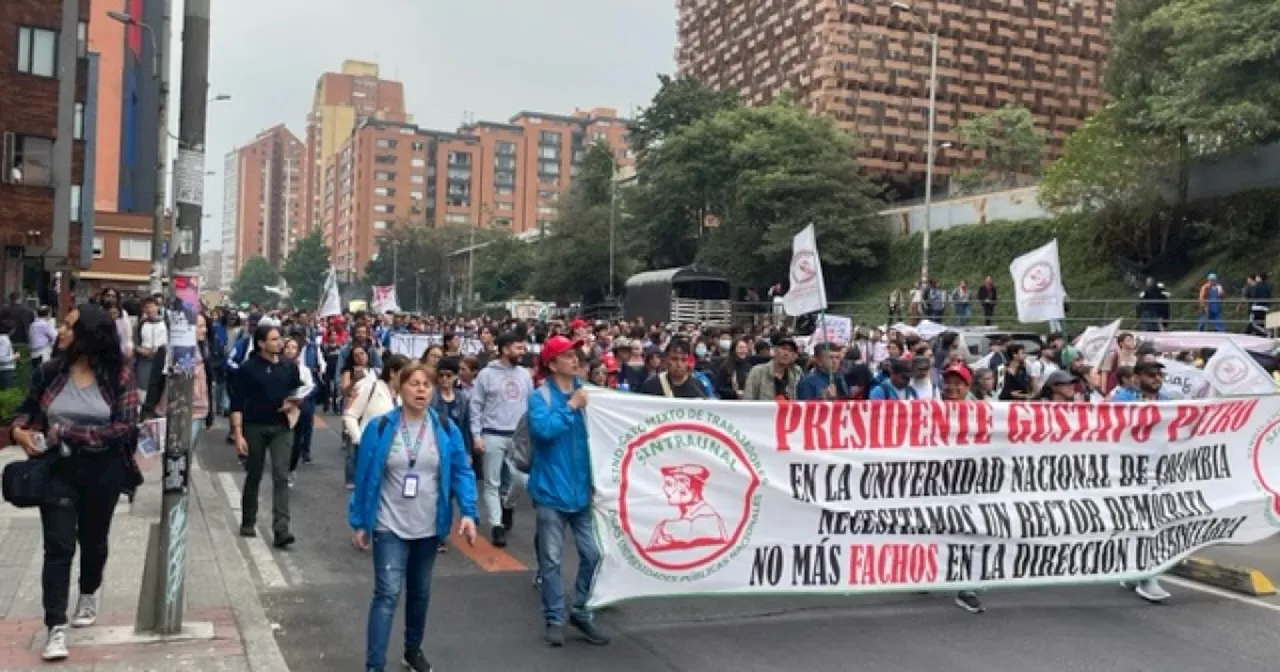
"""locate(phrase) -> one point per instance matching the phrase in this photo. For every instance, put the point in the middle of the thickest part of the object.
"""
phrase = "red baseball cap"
(578, 323)
(556, 346)
(961, 371)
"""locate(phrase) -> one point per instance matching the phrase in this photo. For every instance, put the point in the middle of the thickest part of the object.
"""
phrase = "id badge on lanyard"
(410, 489)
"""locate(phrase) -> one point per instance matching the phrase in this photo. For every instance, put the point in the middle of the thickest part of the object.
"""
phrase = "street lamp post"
(931, 152)
(417, 291)
(613, 216)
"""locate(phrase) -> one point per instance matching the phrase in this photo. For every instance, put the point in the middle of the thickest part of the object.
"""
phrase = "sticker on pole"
(188, 177)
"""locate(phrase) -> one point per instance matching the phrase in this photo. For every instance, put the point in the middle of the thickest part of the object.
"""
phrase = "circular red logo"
(511, 390)
(1230, 370)
(1093, 346)
(1038, 278)
(686, 495)
(1265, 456)
(804, 267)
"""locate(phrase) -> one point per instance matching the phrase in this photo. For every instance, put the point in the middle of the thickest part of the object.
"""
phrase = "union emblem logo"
(1038, 278)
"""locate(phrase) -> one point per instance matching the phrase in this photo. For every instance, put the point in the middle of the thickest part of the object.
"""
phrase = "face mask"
(700, 350)
(726, 344)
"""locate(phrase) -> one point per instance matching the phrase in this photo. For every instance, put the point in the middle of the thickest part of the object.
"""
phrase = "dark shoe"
(968, 600)
(508, 519)
(306, 459)
(554, 635)
(283, 540)
(589, 631)
(415, 661)
(248, 531)
(499, 537)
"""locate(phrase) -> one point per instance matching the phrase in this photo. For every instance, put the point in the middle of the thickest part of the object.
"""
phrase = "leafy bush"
(10, 399)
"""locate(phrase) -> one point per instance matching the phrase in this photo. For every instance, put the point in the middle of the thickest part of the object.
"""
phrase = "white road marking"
(261, 556)
(1213, 590)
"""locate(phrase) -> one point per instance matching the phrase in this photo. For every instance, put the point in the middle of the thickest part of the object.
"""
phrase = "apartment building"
(342, 99)
(867, 64)
(43, 49)
(511, 176)
(262, 200)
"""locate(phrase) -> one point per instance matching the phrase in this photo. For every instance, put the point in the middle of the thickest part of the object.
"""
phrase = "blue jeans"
(1210, 318)
(497, 476)
(399, 563)
(550, 544)
(962, 313)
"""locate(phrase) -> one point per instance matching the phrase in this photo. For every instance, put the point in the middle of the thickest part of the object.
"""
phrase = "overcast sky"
(491, 58)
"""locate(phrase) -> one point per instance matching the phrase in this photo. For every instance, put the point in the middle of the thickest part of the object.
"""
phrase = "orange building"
(262, 190)
(341, 100)
(502, 175)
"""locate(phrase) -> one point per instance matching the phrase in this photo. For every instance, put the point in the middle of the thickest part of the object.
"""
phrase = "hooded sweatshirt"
(499, 397)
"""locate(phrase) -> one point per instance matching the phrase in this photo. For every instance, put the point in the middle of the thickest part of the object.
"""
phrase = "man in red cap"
(560, 485)
(956, 382)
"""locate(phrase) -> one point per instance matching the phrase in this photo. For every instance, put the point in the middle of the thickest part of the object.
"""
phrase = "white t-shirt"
(154, 335)
(1039, 369)
(925, 389)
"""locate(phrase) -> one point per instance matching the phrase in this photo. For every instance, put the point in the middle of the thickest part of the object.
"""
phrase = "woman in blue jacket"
(412, 466)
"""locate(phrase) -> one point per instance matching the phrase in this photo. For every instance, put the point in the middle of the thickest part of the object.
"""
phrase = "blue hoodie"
(560, 474)
(455, 478)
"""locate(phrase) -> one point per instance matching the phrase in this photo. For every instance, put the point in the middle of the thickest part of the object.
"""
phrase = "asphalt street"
(484, 612)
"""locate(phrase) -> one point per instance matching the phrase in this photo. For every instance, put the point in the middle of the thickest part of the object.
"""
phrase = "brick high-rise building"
(39, 53)
(262, 200)
(866, 65)
(342, 99)
(502, 175)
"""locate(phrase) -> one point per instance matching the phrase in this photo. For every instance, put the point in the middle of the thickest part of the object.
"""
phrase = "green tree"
(437, 252)
(572, 261)
(679, 102)
(255, 275)
(503, 268)
(1012, 143)
(734, 188)
(305, 271)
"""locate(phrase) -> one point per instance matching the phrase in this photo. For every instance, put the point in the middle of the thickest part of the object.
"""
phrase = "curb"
(259, 640)
(1235, 578)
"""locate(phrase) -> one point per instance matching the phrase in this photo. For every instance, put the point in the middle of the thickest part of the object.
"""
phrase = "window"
(82, 39)
(503, 205)
(459, 159)
(456, 218)
(385, 159)
(135, 249)
(384, 208)
(504, 178)
(504, 190)
(549, 180)
(384, 176)
(98, 244)
(415, 195)
(381, 224)
(37, 51)
(32, 161)
(417, 179)
(77, 125)
(545, 211)
(416, 146)
(384, 191)
(599, 136)
(546, 195)
(504, 163)
(417, 163)
(359, 94)
(549, 138)
(549, 153)
(544, 225)
(77, 192)
(548, 168)
(384, 143)
(504, 222)
(504, 148)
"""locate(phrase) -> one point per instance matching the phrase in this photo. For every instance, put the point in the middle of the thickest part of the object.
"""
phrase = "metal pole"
(395, 267)
(471, 268)
(160, 73)
(928, 174)
(613, 215)
(163, 613)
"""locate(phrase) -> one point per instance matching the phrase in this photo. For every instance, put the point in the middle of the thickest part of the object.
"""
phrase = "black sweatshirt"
(261, 388)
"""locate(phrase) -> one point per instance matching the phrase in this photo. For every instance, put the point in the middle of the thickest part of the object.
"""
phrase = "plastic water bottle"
(623, 386)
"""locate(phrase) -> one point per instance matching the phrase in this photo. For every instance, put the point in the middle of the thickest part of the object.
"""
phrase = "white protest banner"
(1096, 343)
(330, 301)
(1186, 379)
(849, 497)
(1037, 284)
(1232, 371)
(832, 329)
(413, 345)
(384, 299)
(808, 292)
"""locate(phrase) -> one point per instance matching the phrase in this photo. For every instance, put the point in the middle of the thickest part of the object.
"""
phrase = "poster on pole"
(330, 301)
(807, 293)
(734, 498)
(1037, 284)
(182, 311)
(384, 299)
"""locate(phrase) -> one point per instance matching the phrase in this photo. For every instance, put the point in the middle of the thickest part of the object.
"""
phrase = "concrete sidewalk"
(225, 627)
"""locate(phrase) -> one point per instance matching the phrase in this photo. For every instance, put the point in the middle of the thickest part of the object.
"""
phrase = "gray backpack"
(521, 444)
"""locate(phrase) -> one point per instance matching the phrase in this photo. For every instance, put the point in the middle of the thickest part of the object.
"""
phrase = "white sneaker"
(86, 612)
(55, 648)
(1151, 591)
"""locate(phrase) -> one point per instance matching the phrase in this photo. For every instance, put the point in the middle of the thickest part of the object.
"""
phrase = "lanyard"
(412, 449)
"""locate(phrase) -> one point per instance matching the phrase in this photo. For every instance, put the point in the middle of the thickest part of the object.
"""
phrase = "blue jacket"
(560, 475)
(456, 480)
(811, 387)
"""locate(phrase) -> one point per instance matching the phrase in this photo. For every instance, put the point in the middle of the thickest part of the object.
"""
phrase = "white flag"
(384, 299)
(1096, 343)
(1232, 371)
(1037, 284)
(1185, 379)
(808, 292)
(330, 302)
